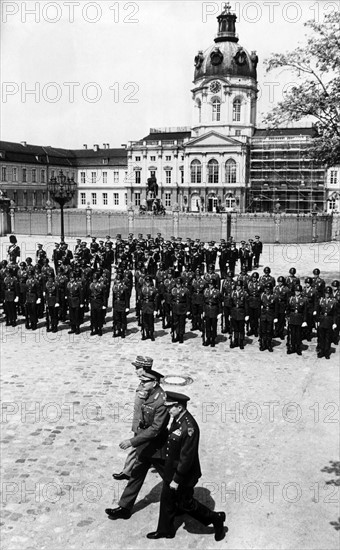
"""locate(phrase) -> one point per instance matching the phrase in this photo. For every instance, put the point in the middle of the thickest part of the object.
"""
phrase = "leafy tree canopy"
(317, 94)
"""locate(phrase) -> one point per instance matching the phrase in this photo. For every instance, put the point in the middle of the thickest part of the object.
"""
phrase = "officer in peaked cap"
(181, 473)
(148, 441)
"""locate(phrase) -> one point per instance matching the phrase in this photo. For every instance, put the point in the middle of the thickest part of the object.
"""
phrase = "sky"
(76, 72)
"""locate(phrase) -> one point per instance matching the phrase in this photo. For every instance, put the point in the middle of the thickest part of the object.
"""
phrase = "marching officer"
(149, 443)
(52, 303)
(149, 305)
(182, 471)
(327, 322)
(233, 258)
(40, 255)
(243, 254)
(269, 313)
(212, 308)
(180, 304)
(238, 315)
(297, 314)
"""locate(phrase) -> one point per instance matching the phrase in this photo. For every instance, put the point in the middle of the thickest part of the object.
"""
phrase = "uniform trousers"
(74, 317)
(180, 501)
(138, 475)
(211, 328)
(254, 316)
(196, 311)
(10, 312)
(51, 317)
(179, 323)
(294, 340)
(31, 315)
(96, 317)
(324, 340)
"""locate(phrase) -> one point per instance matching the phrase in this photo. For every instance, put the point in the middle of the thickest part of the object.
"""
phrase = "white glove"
(246, 318)
(334, 326)
(275, 320)
(56, 305)
(38, 301)
(16, 299)
(314, 312)
(304, 324)
(103, 307)
(81, 305)
(127, 310)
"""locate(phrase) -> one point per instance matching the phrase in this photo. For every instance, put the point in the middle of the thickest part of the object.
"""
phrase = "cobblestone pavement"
(269, 434)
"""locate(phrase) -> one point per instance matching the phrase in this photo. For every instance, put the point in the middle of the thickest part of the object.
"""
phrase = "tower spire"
(226, 25)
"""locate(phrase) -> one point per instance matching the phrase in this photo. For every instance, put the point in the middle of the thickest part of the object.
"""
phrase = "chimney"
(104, 145)
(96, 147)
(23, 143)
(107, 146)
(85, 146)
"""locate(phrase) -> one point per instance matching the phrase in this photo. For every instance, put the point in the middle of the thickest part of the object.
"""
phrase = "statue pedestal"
(149, 203)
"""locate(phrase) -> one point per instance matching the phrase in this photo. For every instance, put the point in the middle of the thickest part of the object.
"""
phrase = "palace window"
(94, 198)
(15, 174)
(137, 176)
(137, 199)
(333, 177)
(24, 175)
(230, 171)
(137, 159)
(196, 171)
(216, 110)
(42, 176)
(116, 199)
(152, 173)
(237, 110)
(212, 171)
(3, 173)
(93, 177)
(167, 199)
(167, 176)
(105, 199)
(82, 198)
(182, 175)
(168, 157)
(105, 178)
(153, 159)
(82, 177)
(116, 176)
(34, 175)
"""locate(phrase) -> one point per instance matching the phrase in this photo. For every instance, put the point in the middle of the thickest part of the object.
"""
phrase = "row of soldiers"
(244, 303)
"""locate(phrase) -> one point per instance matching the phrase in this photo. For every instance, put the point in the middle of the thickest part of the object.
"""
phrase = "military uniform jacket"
(254, 292)
(269, 307)
(326, 312)
(197, 290)
(319, 285)
(180, 300)
(282, 293)
(169, 284)
(32, 291)
(297, 310)
(182, 463)
(120, 297)
(51, 294)
(152, 432)
(239, 305)
(11, 288)
(227, 289)
(265, 279)
(148, 299)
(13, 252)
(22, 278)
(212, 302)
(74, 291)
(215, 277)
(257, 248)
(97, 294)
(311, 297)
(292, 282)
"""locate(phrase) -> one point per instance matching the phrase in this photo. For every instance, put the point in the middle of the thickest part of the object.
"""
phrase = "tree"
(317, 94)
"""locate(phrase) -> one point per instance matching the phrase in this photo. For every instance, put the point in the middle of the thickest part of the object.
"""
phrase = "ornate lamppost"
(62, 190)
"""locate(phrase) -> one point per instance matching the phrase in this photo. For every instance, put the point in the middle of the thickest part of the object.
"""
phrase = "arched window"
(237, 110)
(230, 171)
(212, 171)
(216, 109)
(199, 107)
(196, 171)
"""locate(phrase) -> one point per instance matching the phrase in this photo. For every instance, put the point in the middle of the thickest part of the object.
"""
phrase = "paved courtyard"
(269, 432)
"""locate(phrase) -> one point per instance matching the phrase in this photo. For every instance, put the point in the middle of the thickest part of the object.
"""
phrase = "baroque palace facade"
(223, 162)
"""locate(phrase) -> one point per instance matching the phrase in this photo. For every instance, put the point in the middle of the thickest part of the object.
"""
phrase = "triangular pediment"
(212, 138)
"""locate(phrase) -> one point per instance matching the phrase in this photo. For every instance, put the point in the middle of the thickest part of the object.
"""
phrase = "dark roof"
(164, 136)
(33, 154)
(265, 132)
